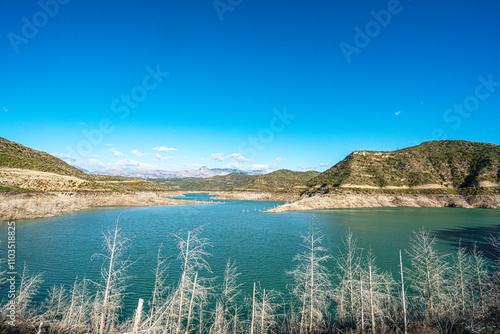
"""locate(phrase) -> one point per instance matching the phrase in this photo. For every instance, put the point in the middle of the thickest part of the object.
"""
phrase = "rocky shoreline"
(41, 205)
(349, 201)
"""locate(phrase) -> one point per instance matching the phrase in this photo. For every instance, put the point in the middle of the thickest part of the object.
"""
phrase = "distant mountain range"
(203, 172)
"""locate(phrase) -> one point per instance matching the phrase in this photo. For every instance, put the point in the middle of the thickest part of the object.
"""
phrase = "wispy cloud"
(217, 156)
(237, 157)
(129, 164)
(306, 168)
(91, 164)
(184, 166)
(64, 156)
(164, 149)
(161, 158)
(139, 153)
(87, 164)
(250, 168)
(232, 157)
(280, 159)
(117, 153)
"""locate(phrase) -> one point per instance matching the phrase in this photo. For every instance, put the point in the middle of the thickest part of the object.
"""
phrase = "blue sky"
(245, 84)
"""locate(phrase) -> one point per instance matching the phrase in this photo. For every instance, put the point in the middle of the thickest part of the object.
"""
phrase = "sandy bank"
(338, 201)
(40, 205)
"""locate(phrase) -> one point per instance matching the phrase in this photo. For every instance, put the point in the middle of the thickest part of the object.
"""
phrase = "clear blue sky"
(250, 84)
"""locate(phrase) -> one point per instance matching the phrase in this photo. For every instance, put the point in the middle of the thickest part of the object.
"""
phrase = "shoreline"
(353, 201)
(21, 206)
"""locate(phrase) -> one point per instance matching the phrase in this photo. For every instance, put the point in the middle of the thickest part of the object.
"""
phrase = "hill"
(25, 169)
(219, 182)
(282, 180)
(14, 155)
(447, 164)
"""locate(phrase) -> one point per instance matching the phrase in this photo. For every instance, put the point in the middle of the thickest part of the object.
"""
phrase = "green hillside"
(14, 155)
(282, 180)
(447, 164)
(218, 182)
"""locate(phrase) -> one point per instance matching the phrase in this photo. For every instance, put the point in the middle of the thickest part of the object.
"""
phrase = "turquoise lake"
(263, 245)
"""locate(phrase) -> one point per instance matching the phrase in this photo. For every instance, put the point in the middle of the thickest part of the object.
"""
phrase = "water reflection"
(468, 236)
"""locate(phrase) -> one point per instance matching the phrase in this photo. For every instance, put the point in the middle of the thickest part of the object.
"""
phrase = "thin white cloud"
(129, 164)
(233, 165)
(217, 156)
(306, 168)
(109, 144)
(87, 164)
(184, 166)
(139, 153)
(280, 159)
(64, 156)
(238, 157)
(232, 157)
(91, 164)
(164, 149)
(116, 153)
(161, 158)
(250, 168)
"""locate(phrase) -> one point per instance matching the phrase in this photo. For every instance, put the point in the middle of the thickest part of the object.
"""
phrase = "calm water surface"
(263, 245)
